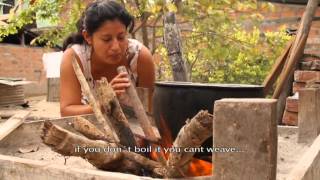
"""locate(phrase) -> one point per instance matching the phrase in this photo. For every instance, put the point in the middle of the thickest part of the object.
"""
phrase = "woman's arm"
(70, 90)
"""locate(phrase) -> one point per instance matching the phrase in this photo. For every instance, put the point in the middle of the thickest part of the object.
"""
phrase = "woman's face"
(109, 42)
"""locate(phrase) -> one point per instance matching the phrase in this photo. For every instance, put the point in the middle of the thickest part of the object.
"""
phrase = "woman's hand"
(120, 83)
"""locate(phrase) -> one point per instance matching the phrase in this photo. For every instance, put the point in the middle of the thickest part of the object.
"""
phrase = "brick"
(310, 65)
(23, 61)
(305, 76)
(292, 104)
(315, 52)
(297, 86)
(290, 118)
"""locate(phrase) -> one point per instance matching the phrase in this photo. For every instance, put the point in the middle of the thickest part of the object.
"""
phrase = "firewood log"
(191, 135)
(106, 156)
(87, 129)
(111, 105)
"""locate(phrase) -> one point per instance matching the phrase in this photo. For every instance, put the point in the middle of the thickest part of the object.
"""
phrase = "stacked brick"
(308, 75)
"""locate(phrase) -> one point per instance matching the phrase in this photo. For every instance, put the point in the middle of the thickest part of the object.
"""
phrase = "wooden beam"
(12, 123)
(172, 42)
(276, 69)
(297, 48)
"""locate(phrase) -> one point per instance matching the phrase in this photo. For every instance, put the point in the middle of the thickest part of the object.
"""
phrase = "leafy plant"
(221, 39)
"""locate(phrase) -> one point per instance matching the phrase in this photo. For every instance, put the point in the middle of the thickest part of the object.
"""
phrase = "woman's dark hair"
(95, 15)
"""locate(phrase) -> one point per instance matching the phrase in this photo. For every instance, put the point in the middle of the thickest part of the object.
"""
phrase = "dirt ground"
(289, 152)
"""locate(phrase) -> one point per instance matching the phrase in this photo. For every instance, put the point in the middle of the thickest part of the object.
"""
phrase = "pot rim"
(209, 85)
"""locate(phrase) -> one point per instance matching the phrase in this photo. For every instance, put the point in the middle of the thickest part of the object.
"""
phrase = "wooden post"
(245, 139)
(53, 91)
(172, 41)
(309, 114)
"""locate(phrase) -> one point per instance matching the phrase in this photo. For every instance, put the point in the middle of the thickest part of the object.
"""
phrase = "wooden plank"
(12, 123)
(281, 103)
(249, 126)
(276, 69)
(297, 48)
(309, 114)
(308, 167)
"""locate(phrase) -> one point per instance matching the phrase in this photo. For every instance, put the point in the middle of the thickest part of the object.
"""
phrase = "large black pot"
(177, 101)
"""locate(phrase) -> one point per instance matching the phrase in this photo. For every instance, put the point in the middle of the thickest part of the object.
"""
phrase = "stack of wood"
(113, 132)
(308, 75)
(11, 91)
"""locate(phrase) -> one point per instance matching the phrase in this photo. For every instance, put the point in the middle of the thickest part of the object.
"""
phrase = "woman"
(100, 46)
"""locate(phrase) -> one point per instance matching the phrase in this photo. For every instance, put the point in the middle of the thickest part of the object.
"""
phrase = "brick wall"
(25, 62)
(289, 15)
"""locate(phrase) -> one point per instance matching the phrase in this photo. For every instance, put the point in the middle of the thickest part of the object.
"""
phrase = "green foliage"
(56, 36)
(221, 41)
(224, 44)
(49, 10)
